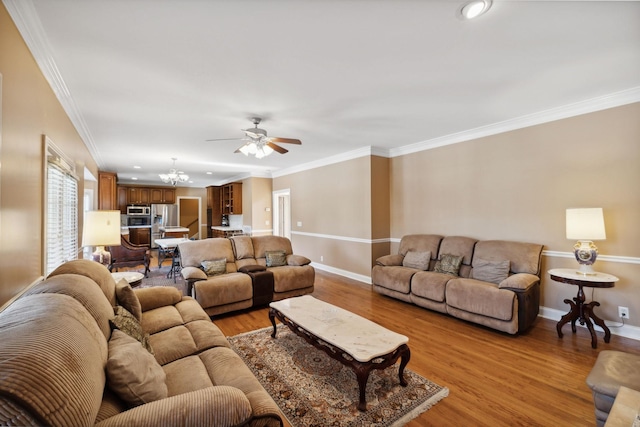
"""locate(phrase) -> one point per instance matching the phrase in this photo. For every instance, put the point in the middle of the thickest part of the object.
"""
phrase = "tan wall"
(29, 110)
(517, 185)
(261, 200)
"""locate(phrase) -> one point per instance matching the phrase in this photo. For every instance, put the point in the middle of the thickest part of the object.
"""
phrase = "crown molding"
(349, 155)
(24, 15)
(612, 100)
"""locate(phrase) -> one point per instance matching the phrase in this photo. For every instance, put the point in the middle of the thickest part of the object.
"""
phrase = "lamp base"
(101, 256)
(586, 253)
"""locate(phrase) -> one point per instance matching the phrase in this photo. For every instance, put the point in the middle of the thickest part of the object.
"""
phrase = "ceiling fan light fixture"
(475, 8)
(244, 150)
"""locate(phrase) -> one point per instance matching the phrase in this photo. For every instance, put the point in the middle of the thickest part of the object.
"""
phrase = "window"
(61, 204)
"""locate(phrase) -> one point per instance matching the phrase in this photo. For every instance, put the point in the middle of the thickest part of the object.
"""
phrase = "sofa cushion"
(214, 267)
(126, 298)
(94, 271)
(173, 344)
(448, 264)
(460, 246)
(524, 257)
(185, 375)
(288, 278)
(430, 285)
(132, 372)
(242, 247)
(490, 271)
(396, 278)
(275, 258)
(193, 252)
(297, 260)
(262, 244)
(417, 260)
(127, 323)
(226, 289)
(481, 298)
(389, 260)
(420, 243)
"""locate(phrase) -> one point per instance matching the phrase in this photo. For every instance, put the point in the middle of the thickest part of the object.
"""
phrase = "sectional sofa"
(62, 363)
(241, 268)
(494, 283)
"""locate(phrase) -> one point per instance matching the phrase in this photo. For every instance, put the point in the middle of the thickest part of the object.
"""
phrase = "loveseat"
(494, 283)
(63, 364)
(227, 288)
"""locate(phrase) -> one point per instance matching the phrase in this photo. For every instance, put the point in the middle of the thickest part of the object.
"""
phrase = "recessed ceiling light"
(474, 8)
(209, 173)
(136, 167)
(134, 179)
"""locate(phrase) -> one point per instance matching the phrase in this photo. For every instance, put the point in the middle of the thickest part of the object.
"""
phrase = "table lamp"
(101, 228)
(585, 225)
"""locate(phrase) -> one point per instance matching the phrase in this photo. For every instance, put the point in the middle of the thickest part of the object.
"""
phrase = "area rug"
(312, 389)
(158, 277)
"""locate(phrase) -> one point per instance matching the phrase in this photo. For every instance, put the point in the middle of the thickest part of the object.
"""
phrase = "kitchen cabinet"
(214, 208)
(232, 198)
(163, 195)
(122, 199)
(107, 193)
(138, 196)
(140, 236)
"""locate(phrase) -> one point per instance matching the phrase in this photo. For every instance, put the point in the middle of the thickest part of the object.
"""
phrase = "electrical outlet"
(321, 258)
(623, 312)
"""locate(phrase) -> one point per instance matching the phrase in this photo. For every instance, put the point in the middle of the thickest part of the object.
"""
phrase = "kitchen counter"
(174, 229)
(220, 231)
(139, 226)
(221, 228)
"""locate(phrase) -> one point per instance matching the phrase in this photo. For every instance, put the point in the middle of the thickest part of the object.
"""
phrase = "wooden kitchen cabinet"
(138, 196)
(214, 207)
(107, 193)
(140, 236)
(232, 198)
(163, 195)
(122, 199)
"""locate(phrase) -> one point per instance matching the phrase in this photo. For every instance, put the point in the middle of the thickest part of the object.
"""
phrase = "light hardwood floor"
(494, 379)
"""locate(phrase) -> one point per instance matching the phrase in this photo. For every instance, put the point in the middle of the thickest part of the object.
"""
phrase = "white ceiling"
(148, 80)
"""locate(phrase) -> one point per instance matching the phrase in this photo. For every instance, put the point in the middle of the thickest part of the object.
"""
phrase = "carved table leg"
(362, 373)
(272, 317)
(571, 316)
(598, 321)
(404, 360)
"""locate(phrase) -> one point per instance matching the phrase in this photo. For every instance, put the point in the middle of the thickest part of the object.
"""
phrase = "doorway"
(282, 213)
(189, 215)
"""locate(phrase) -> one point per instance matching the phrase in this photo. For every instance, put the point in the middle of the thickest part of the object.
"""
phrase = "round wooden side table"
(580, 311)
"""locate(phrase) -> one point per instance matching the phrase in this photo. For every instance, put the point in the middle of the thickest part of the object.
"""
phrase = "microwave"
(138, 210)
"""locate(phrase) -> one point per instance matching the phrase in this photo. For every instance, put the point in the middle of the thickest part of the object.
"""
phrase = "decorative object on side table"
(579, 310)
(100, 229)
(585, 225)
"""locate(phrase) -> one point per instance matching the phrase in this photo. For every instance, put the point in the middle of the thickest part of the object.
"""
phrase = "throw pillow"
(127, 323)
(215, 267)
(448, 264)
(419, 260)
(275, 258)
(126, 297)
(132, 372)
(490, 271)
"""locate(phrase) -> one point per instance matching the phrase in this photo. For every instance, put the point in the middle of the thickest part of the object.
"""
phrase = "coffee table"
(354, 341)
(132, 277)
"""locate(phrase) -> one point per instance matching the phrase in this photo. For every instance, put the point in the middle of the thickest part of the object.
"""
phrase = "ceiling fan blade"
(224, 139)
(277, 148)
(238, 149)
(285, 140)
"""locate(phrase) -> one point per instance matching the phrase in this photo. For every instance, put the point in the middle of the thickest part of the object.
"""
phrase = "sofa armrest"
(389, 260)
(297, 260)
(519, 282)
(212, 406)
(158, 296)
(193, 274)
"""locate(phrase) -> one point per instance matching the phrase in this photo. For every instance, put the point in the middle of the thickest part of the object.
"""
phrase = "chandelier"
(174, 176)
(258, 148)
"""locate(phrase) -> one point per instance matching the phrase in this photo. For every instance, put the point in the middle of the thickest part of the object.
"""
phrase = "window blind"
(61, 215)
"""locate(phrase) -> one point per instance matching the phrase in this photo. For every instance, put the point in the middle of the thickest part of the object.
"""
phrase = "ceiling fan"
(258, 143)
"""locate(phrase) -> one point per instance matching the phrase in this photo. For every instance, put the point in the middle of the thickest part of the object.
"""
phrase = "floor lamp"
(101, 228)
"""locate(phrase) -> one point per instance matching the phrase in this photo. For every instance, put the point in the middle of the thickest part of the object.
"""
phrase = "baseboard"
(616, 328)
(348, 274)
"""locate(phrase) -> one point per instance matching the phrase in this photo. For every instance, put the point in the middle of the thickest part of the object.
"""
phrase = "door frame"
(282, 213)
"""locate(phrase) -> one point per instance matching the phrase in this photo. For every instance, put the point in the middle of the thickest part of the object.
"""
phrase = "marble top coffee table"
(352, 340)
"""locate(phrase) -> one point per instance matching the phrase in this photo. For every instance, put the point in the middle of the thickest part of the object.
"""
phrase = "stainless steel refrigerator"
(162, 216)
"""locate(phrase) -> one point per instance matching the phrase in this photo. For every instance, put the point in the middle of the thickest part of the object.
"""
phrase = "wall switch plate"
(321, 258)
(623, 312)
(299, 223)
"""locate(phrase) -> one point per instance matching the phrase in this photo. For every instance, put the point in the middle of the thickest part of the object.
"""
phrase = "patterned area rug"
(158, 277)
(312, 389)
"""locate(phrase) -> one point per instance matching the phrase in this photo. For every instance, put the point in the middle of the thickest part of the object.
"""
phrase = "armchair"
(129, 255)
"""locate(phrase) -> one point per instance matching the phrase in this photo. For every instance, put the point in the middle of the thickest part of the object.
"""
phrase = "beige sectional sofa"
(496, 283)
(232, 290)
(61, 364)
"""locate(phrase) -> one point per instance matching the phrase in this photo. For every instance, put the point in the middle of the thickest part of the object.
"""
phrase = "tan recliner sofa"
(508, 301)
(56, 359)
(233, 290)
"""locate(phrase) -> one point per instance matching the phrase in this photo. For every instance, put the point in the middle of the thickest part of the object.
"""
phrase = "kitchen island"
(169, 232)
(225, 231)
(140, 234)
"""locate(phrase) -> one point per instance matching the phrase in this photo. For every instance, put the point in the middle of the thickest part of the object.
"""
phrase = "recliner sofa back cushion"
(242, 247)
(459, 246)
(83, 290)
(262, 244)
(523, 257)
(92, 270)
(193, 252)
(52, 359)
(420, 243)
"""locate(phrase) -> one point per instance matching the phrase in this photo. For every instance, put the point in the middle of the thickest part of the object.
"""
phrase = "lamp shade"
(585, 224)
(101, 228)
